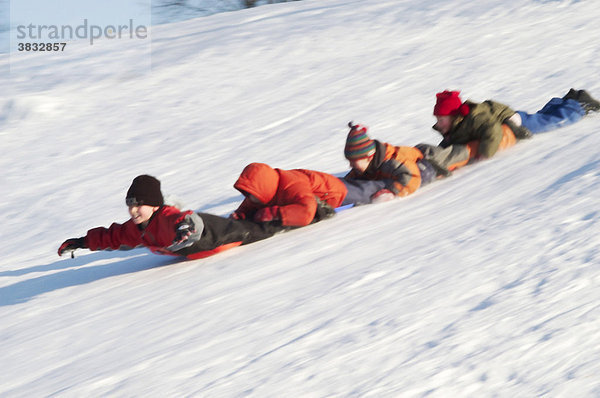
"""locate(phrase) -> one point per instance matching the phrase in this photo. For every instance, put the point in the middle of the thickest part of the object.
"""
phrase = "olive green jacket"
(483, 124)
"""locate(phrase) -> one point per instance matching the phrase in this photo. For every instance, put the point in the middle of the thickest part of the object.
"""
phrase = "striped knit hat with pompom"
(358, 143)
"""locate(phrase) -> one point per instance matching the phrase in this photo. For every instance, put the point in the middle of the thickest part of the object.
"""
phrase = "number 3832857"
(41, 46)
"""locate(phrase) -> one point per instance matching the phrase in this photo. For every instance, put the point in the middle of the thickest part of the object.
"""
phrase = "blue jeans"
(556, 113)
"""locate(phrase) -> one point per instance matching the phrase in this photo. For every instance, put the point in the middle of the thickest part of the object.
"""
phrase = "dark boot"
(588, 103)
(572, 94)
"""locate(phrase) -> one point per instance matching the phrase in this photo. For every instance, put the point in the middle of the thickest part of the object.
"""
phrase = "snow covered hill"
(484, 284)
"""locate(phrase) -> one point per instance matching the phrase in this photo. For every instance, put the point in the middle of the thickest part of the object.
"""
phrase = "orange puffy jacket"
(396, 163)
(294, 191)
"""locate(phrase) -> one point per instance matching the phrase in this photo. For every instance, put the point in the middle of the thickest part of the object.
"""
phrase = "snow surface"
(482, 285)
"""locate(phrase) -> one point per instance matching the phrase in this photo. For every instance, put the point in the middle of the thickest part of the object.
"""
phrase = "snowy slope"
(485, 284)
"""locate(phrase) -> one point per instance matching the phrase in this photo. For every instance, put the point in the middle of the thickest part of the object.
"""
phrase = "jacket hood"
(260, 180)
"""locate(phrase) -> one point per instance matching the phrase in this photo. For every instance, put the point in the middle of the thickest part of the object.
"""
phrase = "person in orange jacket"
(403, 169)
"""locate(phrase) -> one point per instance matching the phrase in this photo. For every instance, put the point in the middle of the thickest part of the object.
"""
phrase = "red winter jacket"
(213, 234)
(294, 191)
(157, 236)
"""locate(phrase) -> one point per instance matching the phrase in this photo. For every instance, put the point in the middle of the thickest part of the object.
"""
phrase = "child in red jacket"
(167, 230)
(292, 198)
(295, 198)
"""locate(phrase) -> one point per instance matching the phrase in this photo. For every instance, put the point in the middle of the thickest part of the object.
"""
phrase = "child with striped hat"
(402, 168)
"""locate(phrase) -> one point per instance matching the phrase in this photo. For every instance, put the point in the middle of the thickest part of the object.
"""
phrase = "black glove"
(187, 232)
(70, 245)
(184, 230)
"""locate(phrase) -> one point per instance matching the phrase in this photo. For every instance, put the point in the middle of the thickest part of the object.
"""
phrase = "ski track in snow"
(484, 284)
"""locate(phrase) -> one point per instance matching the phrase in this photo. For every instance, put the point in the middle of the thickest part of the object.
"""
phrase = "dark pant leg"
(444, 159)
(360, 191)
(219, 231)
(428, 172)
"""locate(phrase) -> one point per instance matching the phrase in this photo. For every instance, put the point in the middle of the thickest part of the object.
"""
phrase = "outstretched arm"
(70, 245)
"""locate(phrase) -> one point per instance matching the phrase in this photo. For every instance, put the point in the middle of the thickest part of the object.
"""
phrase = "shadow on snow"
(71, 275)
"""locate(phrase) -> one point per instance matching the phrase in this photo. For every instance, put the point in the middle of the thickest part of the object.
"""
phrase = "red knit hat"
(449, 104)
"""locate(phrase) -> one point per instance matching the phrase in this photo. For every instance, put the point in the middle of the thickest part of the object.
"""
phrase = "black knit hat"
(144, 190)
